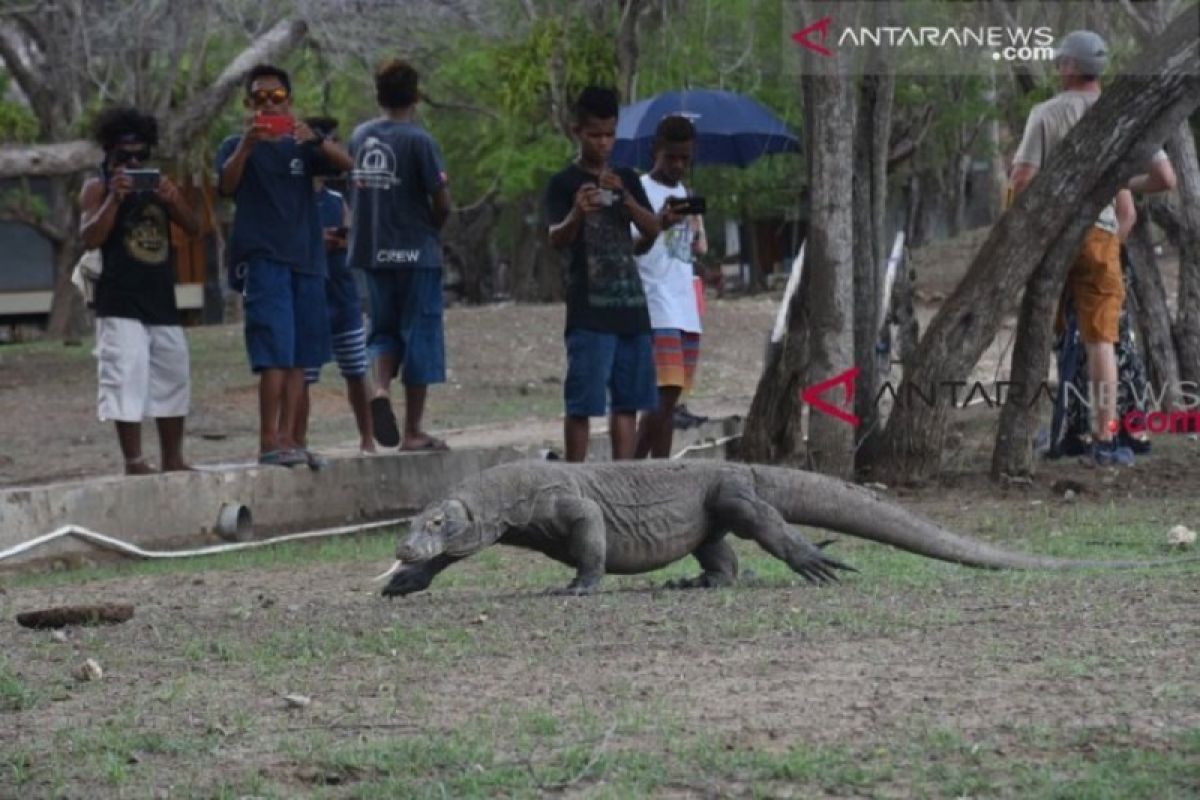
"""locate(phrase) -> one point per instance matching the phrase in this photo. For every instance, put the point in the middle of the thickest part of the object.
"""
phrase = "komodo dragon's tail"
(806, 498)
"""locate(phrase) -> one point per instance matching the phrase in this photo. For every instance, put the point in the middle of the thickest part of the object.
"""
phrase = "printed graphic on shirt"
(146, 235)
(613, 280)
(677, 240)
(375, 167)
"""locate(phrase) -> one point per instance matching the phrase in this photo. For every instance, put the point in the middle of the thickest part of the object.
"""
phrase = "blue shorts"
(406, 322)
(286, 320)
(600, 364)
(345, 325)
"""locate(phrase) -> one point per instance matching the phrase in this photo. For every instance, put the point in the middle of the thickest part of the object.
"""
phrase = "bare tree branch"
(199, 112)
(64, 158)
(35, 221)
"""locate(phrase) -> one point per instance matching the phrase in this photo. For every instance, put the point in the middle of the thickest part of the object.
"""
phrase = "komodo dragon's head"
(444, 527)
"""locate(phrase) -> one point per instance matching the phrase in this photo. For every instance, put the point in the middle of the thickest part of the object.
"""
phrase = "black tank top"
(138, 278)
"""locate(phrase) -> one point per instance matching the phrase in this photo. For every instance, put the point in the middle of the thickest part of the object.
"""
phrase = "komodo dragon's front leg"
(581, 524)
(742, 511)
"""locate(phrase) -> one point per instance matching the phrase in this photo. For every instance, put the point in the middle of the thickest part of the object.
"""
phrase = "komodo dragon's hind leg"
(750, 517)
(719, 563)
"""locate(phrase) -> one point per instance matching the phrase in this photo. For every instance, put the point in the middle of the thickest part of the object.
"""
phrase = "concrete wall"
(180, 510)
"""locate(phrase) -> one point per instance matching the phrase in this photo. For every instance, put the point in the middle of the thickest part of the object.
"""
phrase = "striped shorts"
(350, 352)
(676, 353)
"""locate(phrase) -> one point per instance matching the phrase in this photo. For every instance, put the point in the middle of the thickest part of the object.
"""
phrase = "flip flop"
(282, 458)
(431, 443)
(383, 422)
(315, 462)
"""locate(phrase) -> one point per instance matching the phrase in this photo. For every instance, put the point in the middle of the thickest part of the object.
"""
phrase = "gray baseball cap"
(1086, 48)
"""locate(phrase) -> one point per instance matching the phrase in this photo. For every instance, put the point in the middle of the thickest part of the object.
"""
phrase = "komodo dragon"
(637, 516)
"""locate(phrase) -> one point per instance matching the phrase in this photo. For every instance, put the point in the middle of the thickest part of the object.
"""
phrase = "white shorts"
(143, 370)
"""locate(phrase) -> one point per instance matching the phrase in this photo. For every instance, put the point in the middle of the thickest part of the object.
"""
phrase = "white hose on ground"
(125, 548)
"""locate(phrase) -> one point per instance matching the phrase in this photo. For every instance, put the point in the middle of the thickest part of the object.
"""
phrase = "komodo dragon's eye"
(436, 522)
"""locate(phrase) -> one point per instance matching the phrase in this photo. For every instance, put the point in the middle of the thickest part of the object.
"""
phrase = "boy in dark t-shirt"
(589, 207)
(400, 200)
(276, 242)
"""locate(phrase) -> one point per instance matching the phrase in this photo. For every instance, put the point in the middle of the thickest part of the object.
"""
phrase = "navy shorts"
(603, 364)
(286, 319)
(345, 325)
(406, 322)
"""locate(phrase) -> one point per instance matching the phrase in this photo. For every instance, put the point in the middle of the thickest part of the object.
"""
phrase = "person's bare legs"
(622, 434)
(270, 408)
(170, 443)
(294, 395)
(1102, 372)
(414, 410)
(129, 436)
(386, 367)
(575, 435)
(657, 427)
(358, 393)
(300, 425)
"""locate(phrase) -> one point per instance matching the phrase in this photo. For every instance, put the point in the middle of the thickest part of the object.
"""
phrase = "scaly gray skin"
(638, 516)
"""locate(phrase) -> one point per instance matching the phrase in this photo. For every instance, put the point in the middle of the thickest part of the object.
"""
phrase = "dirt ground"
(909, 679)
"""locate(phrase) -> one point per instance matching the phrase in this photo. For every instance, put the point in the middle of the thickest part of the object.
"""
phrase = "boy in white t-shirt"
(666, 272)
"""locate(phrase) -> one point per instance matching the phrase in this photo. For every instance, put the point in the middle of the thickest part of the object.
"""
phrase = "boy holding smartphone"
(667, 275)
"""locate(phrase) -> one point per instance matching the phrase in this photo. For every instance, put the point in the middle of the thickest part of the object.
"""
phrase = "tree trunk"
(1154, 318)
(1045, 225)
(871, 135)
(830, 263)
(536, 269)
(68, 314)
(627, 49)
(466, 241)
(1181, 148)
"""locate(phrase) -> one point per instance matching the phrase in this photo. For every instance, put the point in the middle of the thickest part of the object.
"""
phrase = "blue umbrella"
(732, 128)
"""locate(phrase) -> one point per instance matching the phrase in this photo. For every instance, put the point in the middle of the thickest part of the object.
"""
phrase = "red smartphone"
(276, 124)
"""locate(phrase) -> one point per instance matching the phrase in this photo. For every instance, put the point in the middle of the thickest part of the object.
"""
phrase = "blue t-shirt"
(330, 207)
(276, 216)
(397, 170)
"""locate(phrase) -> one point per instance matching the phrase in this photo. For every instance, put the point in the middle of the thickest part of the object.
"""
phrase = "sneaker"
(1140, 447)
(1110, 454)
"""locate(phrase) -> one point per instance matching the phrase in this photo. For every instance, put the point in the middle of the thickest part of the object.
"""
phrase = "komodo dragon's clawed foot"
(576, 588)
(705, 580)
(818, 568)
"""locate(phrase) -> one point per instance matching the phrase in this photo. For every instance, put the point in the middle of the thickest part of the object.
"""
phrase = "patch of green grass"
(15, 695)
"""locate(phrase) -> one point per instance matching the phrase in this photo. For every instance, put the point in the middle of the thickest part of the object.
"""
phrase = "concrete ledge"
(182, 509)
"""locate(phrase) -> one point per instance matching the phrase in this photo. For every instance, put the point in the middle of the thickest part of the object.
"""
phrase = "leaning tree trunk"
(871, 137)
(1181, 148)
(1044, 225)
(1154, 318)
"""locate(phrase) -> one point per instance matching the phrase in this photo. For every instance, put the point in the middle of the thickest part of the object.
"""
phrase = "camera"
(693, 204)
(609, 197)
(144, 180)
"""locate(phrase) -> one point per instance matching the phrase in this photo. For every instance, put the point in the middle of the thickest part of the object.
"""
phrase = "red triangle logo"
(820, 27)
(812, 396)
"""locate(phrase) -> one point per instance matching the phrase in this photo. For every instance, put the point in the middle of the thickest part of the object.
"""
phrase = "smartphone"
(276, 124)
(609, 197)
(144, 180)
(694, 204)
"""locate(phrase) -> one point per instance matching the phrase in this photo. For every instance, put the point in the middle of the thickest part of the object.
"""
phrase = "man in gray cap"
(1094, 282)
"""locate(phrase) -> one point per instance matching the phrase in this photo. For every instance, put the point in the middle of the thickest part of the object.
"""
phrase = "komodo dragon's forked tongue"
(806, 498)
